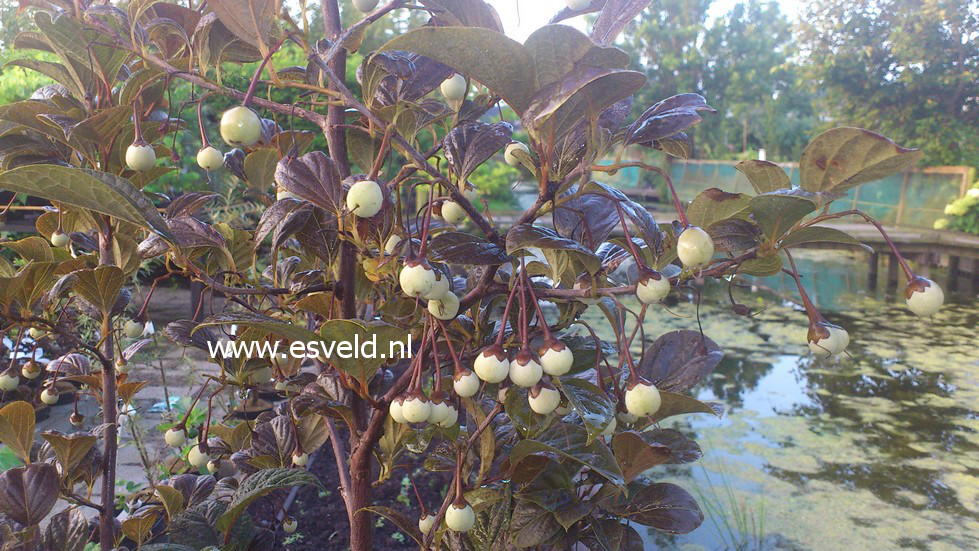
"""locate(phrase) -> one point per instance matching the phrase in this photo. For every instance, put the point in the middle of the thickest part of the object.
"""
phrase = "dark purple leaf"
(191, 232)
(27, 494)
(70, 364)
(293, 222)
(469, 144)
(188, 204)
(273, 216)
(668, 117)
(528, 235)
(466, 249)
(474, 109)
(663, 506)
(591, 216)
(67, 531)
(531, 525)
(234, 161)
(195, 488)
(616, 14)
(314, 177)
(678, 360)
(464, 13)
(182, 332)
(556, 109)
(635, 455)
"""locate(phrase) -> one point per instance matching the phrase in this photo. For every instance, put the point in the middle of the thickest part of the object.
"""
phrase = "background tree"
(908, 68)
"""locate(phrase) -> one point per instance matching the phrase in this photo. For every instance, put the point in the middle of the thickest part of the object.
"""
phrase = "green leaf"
(763, 266)
(571, 441)
(17, 428)
(32, 249)
(477, 53)
(591, 403)
(139, 527)
(89, 189)
(249, 20)
(338, 334)
(845, 157)
(820, 234)
(260, 167)
(764, 176)
(100, 287)
(679, 404)
(71, 449)
(776, 213)
(260, 484)
(558, 49)
(713, 205)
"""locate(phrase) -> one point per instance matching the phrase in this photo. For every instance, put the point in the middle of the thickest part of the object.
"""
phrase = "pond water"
(876, 451)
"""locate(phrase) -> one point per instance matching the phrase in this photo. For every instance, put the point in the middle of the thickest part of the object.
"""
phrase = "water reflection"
(876, 451)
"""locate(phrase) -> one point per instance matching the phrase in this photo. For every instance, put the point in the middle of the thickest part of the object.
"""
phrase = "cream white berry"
(133, 329)
(445, 309)
(460, 517)
(827, 340)
(416, 408)
(492, 365)
(365, 5)
(9, 380)
(283, 193)
(175, 438)
(60, 239)
(300, 459)
(36, 333)
(209, 158)
(466, 383)
(240, 127)
(396, 409)
(556, 358)
(289, 525)
(425, 523)
(365, 198)
(30, 370)
(453, 213)
(450, 418)
(197, 458)
(525, 370)
(545, 400)
(454, 88)
(140, 156)
(577, 5)
(642, 399)
(440, 288)
(694, 247)
(924, 297)
(49, 396)
(652, 287)
(508, 155)
(438, 409)
(417, 279)
(392, 244)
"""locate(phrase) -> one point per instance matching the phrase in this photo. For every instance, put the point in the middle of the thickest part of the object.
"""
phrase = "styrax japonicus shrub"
(545, 433)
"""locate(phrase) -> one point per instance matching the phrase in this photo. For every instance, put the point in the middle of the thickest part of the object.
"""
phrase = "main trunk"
(107, 517)
(360, 497)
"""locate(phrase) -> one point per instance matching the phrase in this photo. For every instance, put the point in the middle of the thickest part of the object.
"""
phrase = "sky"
(522, 17)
